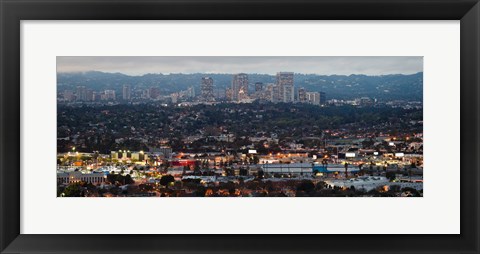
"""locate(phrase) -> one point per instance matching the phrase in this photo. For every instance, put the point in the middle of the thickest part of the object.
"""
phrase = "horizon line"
(233, 73)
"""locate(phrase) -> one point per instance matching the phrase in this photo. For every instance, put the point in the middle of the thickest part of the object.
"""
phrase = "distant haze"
(322, 65)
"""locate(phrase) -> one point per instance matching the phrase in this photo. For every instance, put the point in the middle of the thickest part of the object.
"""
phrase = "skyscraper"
(286, 86)
(89, 95)
(275, 92)
(323, 98)
(126, 93)
(81, 93)
(240, 87)
(207, 89)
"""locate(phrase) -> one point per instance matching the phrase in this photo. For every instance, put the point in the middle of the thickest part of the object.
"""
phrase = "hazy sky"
(323, 65)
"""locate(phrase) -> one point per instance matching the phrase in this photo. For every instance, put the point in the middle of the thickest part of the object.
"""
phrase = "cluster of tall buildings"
(283, 90)
(316, 98)
(126, 93)
(83, 94)
(151, 93)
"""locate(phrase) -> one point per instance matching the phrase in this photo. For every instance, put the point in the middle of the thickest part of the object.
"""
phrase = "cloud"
(323, 65)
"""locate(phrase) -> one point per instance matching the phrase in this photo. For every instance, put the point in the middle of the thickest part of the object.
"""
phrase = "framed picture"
(239, 126)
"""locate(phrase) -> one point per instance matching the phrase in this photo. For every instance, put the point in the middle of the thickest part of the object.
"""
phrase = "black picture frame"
(13, 11)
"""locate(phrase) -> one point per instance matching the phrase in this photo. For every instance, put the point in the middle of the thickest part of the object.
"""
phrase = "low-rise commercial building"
(76, 177)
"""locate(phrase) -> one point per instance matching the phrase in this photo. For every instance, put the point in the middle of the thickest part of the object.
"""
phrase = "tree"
(411, 191)
(368, 143)
(114, 191)
(60, 191)
(73, 190)
(128, 179)
(200, 191)
(346, 169)
(241, 181)
(306, 185)
(320, 185)
(391, 176)
(243, 171)
(112, 178)
(260, 174)
(145, 187)
(166, 180)
(395, 188)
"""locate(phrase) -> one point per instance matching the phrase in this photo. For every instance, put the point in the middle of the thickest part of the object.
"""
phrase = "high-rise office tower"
(240, 87)
(126, 93)
(81, 93)
(207, 89)
(323, 98)
(276, 94)
(89, 95)
(286, 86)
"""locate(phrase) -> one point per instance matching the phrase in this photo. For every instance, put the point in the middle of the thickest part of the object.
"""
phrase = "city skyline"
(239, 87)
(283, 90)
(319, 65)
(241, 134)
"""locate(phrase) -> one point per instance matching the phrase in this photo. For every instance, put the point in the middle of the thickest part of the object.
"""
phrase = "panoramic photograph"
(239, 126)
